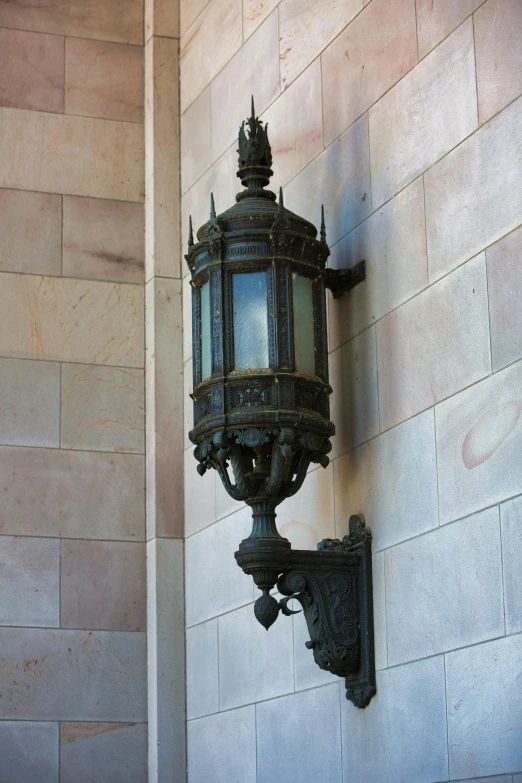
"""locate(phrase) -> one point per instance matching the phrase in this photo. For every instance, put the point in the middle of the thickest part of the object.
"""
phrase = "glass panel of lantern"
(206, 354)
(304, 336)
(250, 308)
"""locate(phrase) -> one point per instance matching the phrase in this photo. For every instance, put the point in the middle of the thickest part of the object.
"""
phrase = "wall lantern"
(261, 405)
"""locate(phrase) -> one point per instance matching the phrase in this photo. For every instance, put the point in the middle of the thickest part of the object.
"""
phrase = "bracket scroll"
(340, 281)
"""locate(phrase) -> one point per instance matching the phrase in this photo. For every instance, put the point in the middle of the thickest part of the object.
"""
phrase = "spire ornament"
(255, 157)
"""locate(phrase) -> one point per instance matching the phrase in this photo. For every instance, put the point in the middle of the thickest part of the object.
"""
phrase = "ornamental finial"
(281, 202)
(254, 147)
(212, 207)
(323, 227)
(191, 233)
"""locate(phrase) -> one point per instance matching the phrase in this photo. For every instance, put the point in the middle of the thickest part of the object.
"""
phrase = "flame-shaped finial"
(252, 109)
(281, 204)
(323, 227)
(191, 234)
(212, 207)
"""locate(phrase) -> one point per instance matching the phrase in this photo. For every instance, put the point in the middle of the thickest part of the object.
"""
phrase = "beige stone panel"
(30, 232)
(189, 11)
(420, 119)
(187, 316)
(29, 581)
(376, 50)
(196, 155)
(254, 70)
(103, 240)
(48, 492)
(200, 495)
(479, 442)
(31, 70)
(103, 80)
(164, 405)
(162, 180)
(306, 27)
(71, 320)
(119, 20)
(498, 52)
(103, 585)
(296, 126)
(473, 196)
(98, 751)
(308, 517)
(103, 408)
(392, 242)
(81, 156)
(438, 18)
(255, 12)
(504, 260)
(29, 403)
(434, 345)
(208, 45)
(161, 18)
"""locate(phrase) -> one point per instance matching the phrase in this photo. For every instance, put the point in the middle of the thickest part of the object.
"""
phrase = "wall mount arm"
(340, 281)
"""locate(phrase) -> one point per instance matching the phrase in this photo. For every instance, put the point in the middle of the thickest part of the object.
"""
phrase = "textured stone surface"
(296, 126)
(398, 503)
(82, 156)
(253, 665)
(254, 12)
(473, 196)
(291, 718)
(187, 318)
(103, 585)
(305, 28)
(103, 80)
(29, 581)
(505, 315)
(212, 551)
(418, 121)
(479, 434)
(392, 242)
(29, 403)
(189, 11)
(31, 70)
(438, 18)
(451, 582)
(161, 18)
(121, 20)
(401, 735)
(218, 29)
(102, 408)
(339, 178)
(511, 522)
(379, 611)
(202, 670)
(29, 752)
(372, 53)
(103, 240)
(97, 751)
(354, 406)
(73, 675)
(47, 492)
(484, 694)
(196, 153)
(308, 516)
(30, 232)
(222, 748)
(71, 320)
(434, 345)
(200, 495)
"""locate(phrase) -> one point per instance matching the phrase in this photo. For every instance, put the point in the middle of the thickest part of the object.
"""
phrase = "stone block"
(434, 345)
(189, 11)
(202, 670)
(436, 19)
(196, 151)
(30, 232)
(73, 675)
(511, 523)
(424, 116)
(253, 665)
(505, 315)
(103, 585)
(255, 12)
(71, 320)
(161, 18)
(29, 752)
(82, 156)
(473, 196)
(339, 178)
(392, 479)
(222, 747)
(30, 581)
(392, 242)
(48, 492)
(309, 722)
(308, 516)
(479, 438)
(29, 403)
(31, 70)
(484, 692)
(103, 240)
(401, 735)
(102, 408)
(450, 580)
(379, 611)
(200, 495)
(371, 54)
(98, 751)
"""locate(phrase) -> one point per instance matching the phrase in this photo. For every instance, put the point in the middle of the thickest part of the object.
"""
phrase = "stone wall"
(73, 690)
(403, 118)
